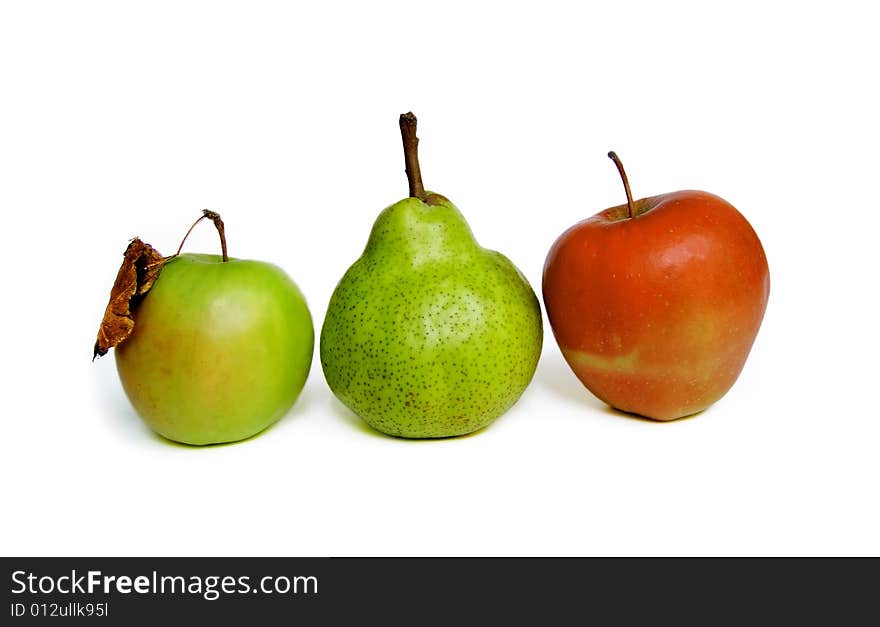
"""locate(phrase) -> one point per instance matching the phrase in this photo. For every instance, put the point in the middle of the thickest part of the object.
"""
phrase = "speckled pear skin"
(428, 335)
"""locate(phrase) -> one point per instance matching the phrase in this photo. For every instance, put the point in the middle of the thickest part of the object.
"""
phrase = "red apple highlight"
(656, 303)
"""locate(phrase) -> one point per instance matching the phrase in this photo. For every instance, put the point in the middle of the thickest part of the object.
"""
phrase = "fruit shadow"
(124, 419)
(348, 416)
(555, 375)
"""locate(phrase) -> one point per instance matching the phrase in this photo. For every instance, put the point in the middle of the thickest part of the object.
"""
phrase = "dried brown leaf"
(140, 269)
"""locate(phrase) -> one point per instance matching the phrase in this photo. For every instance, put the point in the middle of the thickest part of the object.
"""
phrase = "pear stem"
(629, 198)
(218, 224)
(408, 123)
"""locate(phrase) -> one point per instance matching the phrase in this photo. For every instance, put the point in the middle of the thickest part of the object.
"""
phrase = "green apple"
(220, 349)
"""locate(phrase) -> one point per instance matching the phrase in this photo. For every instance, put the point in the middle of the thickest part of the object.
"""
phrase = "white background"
(122, 119)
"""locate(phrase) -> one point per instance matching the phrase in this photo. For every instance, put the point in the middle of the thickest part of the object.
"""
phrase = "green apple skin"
(429, 335)
(220, 350)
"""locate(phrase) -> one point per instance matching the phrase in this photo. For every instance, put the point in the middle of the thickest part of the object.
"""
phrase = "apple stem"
(218, 224)
(629, 197)
(408, 123)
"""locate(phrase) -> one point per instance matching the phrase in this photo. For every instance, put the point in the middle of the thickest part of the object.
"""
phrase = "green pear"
(429, 335)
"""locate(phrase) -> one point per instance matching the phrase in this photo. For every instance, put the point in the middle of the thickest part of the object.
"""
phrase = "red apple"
(656, 303)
